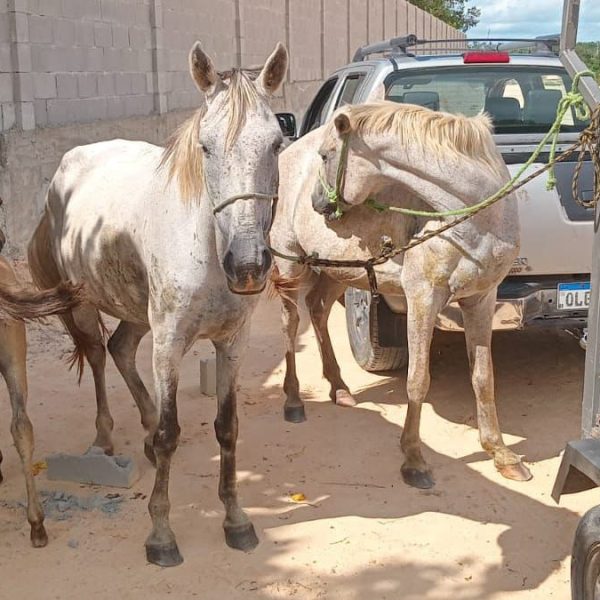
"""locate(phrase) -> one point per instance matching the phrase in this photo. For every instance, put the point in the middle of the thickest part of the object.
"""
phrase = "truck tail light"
(485, 57)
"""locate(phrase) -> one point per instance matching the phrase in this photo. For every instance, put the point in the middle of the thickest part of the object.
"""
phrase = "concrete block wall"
(77, 60)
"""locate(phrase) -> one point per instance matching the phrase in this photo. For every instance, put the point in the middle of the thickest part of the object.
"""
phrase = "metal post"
(580, 465)
(591, 92)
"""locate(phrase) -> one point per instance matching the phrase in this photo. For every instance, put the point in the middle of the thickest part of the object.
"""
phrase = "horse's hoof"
(418, 479)
(108, 449)
(294, 414)
(344, 398)
(516, 472)
(38, 536)
(149, 452)
(241, 538)
(163, 555)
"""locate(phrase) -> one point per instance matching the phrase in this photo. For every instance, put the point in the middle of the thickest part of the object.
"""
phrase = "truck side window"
(349, 88)
(314, 114)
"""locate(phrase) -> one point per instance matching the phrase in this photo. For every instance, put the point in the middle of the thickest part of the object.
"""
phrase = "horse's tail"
(283, 287)
(45, 274)
(21, 303)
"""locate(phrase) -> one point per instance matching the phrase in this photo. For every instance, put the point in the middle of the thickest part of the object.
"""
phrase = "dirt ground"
(362, 533)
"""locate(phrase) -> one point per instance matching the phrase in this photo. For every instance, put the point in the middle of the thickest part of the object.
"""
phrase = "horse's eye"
(277, 147)
(204, 149)
(323, 156)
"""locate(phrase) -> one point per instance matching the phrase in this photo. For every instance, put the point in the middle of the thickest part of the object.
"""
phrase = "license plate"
(573, 296)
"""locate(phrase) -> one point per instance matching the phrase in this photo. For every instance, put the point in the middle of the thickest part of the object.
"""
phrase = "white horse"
(416, 158)
(171, 241)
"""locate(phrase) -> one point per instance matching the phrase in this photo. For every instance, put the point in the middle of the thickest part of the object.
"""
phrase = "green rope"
(573, 98)
(582, 112)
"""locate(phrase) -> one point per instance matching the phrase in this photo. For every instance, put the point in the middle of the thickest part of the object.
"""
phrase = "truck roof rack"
(544, 44)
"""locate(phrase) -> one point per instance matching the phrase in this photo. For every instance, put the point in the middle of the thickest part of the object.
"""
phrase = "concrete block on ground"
(93, 467)
(208, 376)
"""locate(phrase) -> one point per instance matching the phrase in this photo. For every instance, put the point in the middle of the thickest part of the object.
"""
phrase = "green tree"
(453, 12)
(589, 52)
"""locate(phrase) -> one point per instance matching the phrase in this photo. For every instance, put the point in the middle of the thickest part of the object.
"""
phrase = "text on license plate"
(573, 296)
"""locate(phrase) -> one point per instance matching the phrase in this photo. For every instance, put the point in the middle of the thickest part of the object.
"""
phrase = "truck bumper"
(522, 304)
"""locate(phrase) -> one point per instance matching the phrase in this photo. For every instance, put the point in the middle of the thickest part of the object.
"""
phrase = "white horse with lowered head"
(171, 241)
(412, 157)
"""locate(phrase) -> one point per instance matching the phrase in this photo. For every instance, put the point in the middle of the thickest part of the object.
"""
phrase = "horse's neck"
(443, 183)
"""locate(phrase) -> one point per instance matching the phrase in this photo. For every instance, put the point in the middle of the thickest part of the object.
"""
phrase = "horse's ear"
(342, 124)
(273, 73)
(203, 71)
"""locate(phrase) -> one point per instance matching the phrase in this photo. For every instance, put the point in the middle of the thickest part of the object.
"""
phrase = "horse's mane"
(438, 133)
(182, 156)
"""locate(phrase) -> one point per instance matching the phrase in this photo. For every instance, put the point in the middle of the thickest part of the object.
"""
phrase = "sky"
(530, 18)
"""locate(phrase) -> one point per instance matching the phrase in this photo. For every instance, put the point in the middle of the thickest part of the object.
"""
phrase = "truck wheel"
(377, 335)
(585, 562)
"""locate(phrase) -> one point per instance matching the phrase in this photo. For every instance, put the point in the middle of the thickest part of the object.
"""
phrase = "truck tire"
(377, 335)
(585, 561)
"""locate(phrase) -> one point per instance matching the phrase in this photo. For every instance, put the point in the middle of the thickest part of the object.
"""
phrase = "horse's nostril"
(228, 264)
(267, 260)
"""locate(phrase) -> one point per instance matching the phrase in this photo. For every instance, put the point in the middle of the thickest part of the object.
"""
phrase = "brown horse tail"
(45, 274)
(280, 286)
(20, 303)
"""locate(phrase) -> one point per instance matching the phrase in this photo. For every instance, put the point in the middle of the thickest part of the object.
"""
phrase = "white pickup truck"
(549, 283)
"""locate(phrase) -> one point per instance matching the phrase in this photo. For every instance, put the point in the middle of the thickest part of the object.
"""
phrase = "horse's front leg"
(239, 531)
(478, 313)
(168, 349)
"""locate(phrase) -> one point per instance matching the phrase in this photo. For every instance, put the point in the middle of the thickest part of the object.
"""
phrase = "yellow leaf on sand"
(38, 466)
(299, 497)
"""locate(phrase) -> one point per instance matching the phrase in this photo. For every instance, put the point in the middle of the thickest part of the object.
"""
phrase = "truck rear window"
(520, 99)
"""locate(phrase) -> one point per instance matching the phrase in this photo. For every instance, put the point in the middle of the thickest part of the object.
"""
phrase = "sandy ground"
(363, 533)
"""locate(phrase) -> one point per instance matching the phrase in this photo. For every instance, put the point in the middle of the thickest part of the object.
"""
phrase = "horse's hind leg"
(424, 302)
(478, 313)
(13, 349)
(319, 300)
(293, 408)
(123, 346)
(85, 327)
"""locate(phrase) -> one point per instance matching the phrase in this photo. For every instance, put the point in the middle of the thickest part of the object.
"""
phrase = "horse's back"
(106, 165)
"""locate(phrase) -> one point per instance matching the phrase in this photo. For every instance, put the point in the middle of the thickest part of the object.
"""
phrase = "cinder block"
(27, 115)
(21, 25)
(40, 30)
(120, 36)
(66, 84)
(44, 85)
(208, 376)
(106, 84)
(84, 34)
(102, 35)
(138, 105)
(93, 467)
(138, 83)
(123, 83)
(93, 59)
(41, 112)
(87, 85)
(6, 87)
(115, 107)
(5, 59)
(9, 118)
(64, 32)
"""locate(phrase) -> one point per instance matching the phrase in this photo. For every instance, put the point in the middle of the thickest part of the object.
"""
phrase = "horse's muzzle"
(247, 276)
(321, 204)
